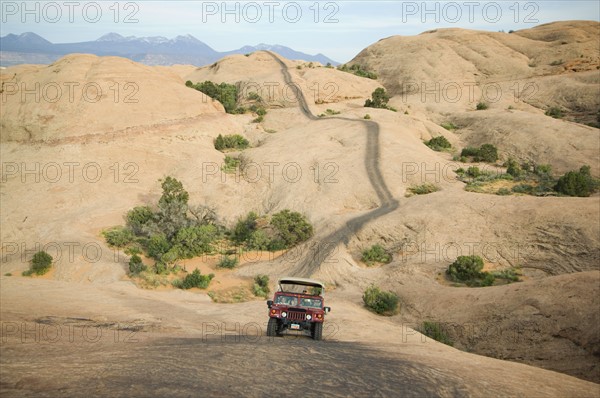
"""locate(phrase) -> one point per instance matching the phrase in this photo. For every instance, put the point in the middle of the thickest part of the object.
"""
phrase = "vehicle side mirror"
(327, 310)
(269, 303)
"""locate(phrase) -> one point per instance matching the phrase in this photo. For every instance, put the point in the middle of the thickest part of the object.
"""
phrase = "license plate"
(295, 326)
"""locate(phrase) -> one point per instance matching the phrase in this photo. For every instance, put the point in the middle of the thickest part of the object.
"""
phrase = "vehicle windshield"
(286, 300)
(311, 302)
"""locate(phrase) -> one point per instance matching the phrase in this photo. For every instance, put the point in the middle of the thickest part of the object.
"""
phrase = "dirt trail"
(312, 261)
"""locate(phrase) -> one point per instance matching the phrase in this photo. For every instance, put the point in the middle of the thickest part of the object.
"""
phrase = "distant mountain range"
(156, 50)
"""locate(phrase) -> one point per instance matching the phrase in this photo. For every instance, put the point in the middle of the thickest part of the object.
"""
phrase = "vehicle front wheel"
(272, 327)
(317, 331)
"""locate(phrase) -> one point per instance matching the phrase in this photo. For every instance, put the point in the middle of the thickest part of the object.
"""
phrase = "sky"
(338, 29)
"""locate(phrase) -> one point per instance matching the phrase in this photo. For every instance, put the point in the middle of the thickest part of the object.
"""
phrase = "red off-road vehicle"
(297, 305)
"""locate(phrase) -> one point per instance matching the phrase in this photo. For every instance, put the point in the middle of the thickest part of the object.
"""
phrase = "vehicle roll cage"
(301, 282)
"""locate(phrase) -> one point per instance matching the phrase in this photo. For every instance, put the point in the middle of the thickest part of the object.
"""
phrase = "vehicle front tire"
(272, 327)
(317, 331)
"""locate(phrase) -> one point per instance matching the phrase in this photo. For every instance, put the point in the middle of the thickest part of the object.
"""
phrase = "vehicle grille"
(296, 316)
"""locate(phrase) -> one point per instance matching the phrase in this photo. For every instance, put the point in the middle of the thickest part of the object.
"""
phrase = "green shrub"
(523, 188)
(196, 279)
(543, 170)
(227, 262)
(225, 93)
(195, 240)
(557, 62)
(379, 99)
(381, 302)
(277, 244)
(423, 189)
(329, 112)
(244, 228)
(234, 141)
(171, 217)
(160, 268)
(246, 232)
(507, 274)
(157, 245)
(555, 112)
(358, 71)
(172, 192)
(133, 250)
(258, 240)
(449, 126)
(486, 153)
(138, 217)
(136, 265)
(292, 227)
(465, 268)
(438, 143)
(253, 96)
(376, 254)
(8, 274)
(482, 106)
(262, 281)
(118, 236)
(513, 168)
(261, 286)
(434, 330)
(576, 183)
(259, 119)
(41, 263)
(469, 151)
(367, 117)
(473, 172)
(28, 272)
(488, 280)
(230, 164)
(503, 192)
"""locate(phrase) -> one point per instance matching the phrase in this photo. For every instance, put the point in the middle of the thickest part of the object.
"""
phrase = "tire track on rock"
(311, 262)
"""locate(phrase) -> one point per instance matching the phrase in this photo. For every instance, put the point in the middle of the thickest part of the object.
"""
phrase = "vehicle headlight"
(308, 317)
(284, 314)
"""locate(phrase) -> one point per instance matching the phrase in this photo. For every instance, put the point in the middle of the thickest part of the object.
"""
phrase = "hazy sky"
(338, 29)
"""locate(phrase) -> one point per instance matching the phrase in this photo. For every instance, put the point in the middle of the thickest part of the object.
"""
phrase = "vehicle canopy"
(299, 285)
